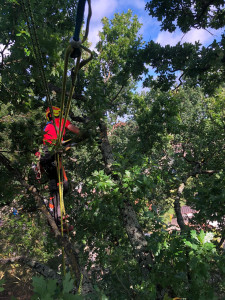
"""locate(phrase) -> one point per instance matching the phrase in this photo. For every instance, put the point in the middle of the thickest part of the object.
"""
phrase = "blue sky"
(151, 27)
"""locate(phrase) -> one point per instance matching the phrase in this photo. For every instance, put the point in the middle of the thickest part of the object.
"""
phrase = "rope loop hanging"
(74, 51)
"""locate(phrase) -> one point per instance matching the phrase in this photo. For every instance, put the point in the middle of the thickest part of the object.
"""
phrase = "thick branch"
(177, 208)
(35, 265)
(137, 238)
(106, 148)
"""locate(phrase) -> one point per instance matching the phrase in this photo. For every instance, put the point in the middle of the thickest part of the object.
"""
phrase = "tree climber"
(48, 160)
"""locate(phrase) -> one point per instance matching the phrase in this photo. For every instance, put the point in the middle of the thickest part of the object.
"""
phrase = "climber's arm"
(73, 129)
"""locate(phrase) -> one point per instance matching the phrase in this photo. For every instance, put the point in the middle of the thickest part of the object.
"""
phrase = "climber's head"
(56, 112)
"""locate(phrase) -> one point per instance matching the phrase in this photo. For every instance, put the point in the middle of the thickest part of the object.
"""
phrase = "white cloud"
(6, 51)
(167, 38)
(93, 36)
(194, 35)
(100, 9)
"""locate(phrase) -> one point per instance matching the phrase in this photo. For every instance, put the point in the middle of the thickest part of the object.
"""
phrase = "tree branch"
(120, 90)
(35, 265)
(177, 208)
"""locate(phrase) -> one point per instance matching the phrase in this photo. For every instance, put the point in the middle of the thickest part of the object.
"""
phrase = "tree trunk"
(135, 234)
(137, 239)
(177, 208)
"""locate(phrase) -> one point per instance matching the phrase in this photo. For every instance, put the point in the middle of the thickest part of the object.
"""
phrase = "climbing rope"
(74, 45)
(79, 64)
(79, 20)
(69, 51)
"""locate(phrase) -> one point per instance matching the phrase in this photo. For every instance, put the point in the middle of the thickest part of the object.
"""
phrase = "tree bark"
(177, 208)
(106, 148)
(137, 238)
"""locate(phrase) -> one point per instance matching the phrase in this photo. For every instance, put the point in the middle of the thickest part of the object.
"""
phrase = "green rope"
(62, 103)
(68, 52)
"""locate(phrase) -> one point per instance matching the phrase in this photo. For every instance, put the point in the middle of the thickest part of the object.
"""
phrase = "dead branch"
(34, 265)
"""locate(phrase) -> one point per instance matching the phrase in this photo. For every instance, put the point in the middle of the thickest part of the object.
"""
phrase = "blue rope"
(79, 19)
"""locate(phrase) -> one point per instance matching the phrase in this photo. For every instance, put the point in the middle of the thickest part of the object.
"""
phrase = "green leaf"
(128, 174)
(68, 283)
(193, 234)
(201, 237)
(189, 244)
(51, 286)
(39, 284)
(2, 281)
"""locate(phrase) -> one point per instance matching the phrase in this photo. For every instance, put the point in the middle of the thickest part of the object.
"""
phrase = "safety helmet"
(56, 112)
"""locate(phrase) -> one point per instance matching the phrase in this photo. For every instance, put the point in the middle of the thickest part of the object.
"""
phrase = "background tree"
(197, 64)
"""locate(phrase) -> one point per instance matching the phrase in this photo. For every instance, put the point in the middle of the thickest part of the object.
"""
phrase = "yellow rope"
(80, 285)
(69, 100)
(62, 208)
(78, 66)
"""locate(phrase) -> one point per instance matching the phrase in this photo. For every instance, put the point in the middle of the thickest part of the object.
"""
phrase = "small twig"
(120, 90)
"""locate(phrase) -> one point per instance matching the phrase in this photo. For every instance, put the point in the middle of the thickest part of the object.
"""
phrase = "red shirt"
(50, 134)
